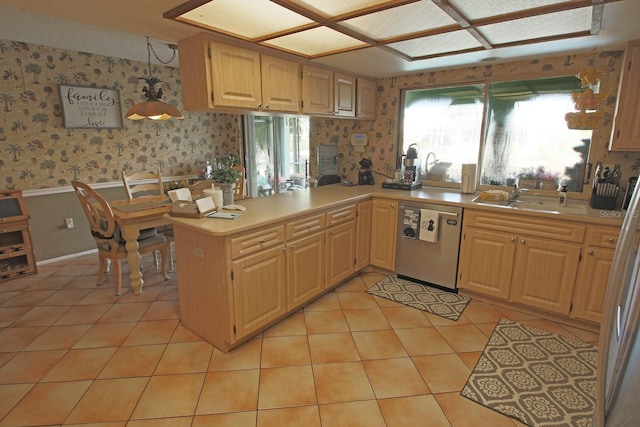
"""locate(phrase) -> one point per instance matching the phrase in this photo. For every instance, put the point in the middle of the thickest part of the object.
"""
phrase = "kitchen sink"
(538, 204)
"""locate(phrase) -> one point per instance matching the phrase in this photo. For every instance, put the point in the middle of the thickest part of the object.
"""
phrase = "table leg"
(131, 232)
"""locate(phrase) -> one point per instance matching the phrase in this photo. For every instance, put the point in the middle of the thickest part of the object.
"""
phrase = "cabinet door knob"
(522, 241)
(590, 252)
(513, 239)
(291, 247)
(611, 239)
(261, 241)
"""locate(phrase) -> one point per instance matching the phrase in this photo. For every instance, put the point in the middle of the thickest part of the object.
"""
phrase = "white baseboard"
(62, 258)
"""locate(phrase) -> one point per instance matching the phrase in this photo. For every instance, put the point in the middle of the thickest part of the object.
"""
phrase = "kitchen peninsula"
(237, 277)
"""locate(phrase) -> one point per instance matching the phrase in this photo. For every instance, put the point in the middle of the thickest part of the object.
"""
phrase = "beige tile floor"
(72, 353)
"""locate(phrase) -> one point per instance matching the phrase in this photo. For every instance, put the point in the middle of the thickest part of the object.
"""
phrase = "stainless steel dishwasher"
(422, 258)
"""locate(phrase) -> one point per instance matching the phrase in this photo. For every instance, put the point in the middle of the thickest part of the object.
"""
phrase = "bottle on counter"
(562, 200)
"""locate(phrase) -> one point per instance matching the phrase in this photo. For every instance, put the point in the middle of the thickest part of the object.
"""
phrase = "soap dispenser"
(563, 196)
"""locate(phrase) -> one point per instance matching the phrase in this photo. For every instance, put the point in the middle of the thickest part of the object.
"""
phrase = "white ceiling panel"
(434, 45)
(332, 8)
(315, 42)
(241, 17)
(119, 28)
(566, 22)
(477, 9)
(401, 20)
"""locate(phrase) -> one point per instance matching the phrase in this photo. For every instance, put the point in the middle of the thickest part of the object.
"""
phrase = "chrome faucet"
(515, 194)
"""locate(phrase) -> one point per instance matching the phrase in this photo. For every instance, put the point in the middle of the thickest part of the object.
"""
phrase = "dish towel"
(179, 194)
(429, 225)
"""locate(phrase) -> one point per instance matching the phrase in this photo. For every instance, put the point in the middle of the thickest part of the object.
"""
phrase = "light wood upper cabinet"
(383, 233)
(219, 76)
(366, 99)
(236, 76)
(227, 77)
(326, 93)
(280, 84)
(626, 127)
(344, 95)
(317, 90)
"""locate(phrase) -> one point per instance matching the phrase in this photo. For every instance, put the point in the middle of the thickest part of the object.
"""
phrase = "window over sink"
(514, 130)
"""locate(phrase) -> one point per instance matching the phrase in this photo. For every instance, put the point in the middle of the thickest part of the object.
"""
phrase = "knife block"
(604, 202)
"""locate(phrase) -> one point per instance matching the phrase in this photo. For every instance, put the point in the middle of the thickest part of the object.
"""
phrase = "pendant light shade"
(153, 108)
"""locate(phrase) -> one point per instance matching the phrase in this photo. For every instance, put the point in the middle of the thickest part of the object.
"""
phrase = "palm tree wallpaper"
(37, 151)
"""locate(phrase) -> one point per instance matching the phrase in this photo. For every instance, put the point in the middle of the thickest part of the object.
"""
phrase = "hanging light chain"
(150, 49)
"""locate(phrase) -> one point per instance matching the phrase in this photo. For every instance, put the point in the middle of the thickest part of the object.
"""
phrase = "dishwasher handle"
(441, 213)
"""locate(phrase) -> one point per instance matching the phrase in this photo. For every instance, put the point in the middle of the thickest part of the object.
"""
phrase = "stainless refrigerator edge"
(618, 378)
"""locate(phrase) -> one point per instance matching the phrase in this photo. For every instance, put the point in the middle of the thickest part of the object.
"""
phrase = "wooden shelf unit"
(16, 249)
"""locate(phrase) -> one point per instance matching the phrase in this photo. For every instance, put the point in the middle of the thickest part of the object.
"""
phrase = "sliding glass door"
(277, 150)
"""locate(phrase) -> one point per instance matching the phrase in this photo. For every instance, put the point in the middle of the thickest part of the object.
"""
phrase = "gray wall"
(50, 238)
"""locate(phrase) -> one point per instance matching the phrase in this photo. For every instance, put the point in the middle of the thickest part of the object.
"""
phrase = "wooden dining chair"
(240, 192)
(141, 184)
(148, 184)
(106, 233)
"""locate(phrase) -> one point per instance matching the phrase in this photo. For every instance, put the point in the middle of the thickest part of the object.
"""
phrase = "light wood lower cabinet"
(232, 287)
(259, 291)
(486, 262)
(544, 273)
(523, 259)
(363, 234)
(383, 233)
(592, 284)
(593, 276)
(305, 269)
(341, 244)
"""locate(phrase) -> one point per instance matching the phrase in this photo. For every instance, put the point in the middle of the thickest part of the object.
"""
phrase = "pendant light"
(153, 108)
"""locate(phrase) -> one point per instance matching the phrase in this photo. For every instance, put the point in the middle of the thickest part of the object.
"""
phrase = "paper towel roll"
(215, 194)
(468, 180)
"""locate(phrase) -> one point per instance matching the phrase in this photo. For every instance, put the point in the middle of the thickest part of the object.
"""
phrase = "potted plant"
(225, 176)
(538, 179)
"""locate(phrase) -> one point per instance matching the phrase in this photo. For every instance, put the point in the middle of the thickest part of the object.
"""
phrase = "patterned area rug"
(426, 298)
(537, 377)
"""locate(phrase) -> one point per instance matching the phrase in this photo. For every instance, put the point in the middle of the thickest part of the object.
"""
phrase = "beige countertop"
(281, 207)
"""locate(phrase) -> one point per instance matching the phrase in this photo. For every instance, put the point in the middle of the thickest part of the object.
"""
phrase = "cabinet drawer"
(606, 237)
(340, 216)
(530, 226)
(14, 238)
(305, 227)
(254, 242)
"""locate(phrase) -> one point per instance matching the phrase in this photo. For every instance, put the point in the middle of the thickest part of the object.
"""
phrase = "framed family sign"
(90, 107)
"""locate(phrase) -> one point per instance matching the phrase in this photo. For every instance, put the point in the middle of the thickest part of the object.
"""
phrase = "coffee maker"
(411, 171)
(411, 168)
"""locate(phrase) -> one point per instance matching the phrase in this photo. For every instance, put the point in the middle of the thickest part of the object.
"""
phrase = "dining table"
(133, 215)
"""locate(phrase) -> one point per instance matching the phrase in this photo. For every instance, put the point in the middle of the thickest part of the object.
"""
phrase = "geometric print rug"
(536, 377)
(426, 298)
